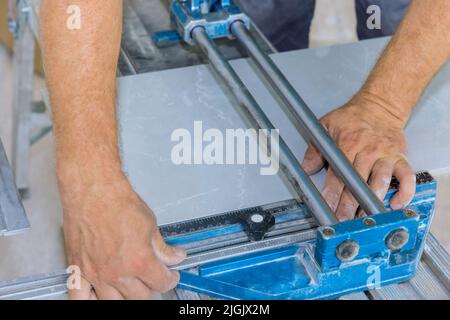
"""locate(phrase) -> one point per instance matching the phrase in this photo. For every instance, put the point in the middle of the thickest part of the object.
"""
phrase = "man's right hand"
(112, 236)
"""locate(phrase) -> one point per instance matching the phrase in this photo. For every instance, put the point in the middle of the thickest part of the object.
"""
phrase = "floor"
(41, 250)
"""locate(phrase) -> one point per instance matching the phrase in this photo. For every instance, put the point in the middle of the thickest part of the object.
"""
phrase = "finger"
(407, 179)
(134, 289)
(361, 213)
(167, 254)
(107, 292)
(313, 162)
(381, 177)
(81, 293)
(159, 278)
(332, 190)
(348, 205)
(93, 296)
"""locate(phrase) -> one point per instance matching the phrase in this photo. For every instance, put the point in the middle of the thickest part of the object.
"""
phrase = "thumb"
(167, 254)
(313, 161)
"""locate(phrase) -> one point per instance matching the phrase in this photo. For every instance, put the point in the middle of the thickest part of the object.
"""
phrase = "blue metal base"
(312, 269)
(215, 16)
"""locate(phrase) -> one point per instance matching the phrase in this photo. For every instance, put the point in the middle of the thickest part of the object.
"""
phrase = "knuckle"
(381, 164)
(139, 263)
(353, 138)
(365, 158)
(382, 169)
(113, 278)
(121, 281)
(373, 149)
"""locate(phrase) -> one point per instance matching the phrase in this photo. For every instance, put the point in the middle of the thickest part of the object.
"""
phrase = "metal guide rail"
(223, 248)
(13, 219)
(291, 262)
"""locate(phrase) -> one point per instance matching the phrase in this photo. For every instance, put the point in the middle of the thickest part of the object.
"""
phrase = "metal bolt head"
(369, 222)
(347, 250)
(410, 213)
(328, 232)
(397, 239)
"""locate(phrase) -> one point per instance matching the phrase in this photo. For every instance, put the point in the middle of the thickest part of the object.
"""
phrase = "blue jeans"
(286, 23)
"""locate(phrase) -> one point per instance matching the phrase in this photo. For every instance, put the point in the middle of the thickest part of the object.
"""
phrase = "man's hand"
(372, 139)
(111, 234)
(369, 129)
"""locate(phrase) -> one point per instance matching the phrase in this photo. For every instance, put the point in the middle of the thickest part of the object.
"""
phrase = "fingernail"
(346, 211)
(395, 205)
(387, 181)
(344, 214)
(343, 217)
(380, 194)
(176, 276)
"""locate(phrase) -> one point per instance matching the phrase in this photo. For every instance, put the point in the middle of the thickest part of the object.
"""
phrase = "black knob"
(256, 224)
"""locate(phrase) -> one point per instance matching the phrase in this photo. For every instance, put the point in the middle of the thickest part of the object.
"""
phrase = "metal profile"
(13, 218)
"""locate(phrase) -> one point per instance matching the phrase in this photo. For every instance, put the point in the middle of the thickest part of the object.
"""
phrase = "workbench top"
(152, 105)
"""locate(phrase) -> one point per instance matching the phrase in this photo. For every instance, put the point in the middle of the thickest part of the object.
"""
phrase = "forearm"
(80, 68)
(418, 50)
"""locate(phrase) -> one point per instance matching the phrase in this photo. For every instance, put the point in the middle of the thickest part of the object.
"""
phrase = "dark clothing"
(392, 13)
(287, 23)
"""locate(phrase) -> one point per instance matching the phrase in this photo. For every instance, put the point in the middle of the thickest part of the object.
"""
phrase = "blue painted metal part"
(216, 16)
(370, 238)
(311, 269)
(165, 38)
(180, 240)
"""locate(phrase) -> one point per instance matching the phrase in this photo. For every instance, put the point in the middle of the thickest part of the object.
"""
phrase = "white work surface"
(151, 106)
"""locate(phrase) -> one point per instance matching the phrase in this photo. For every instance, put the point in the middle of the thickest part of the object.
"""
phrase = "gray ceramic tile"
(151, 106)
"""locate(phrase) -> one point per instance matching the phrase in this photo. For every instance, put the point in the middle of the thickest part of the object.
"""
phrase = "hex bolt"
(328, 232)
(347, 250)
(397, 239)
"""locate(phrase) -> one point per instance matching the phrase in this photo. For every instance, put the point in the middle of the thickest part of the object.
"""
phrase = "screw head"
(328, 232)
(397, 239)
(347, 250)
(369, 222)
(410, 213)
